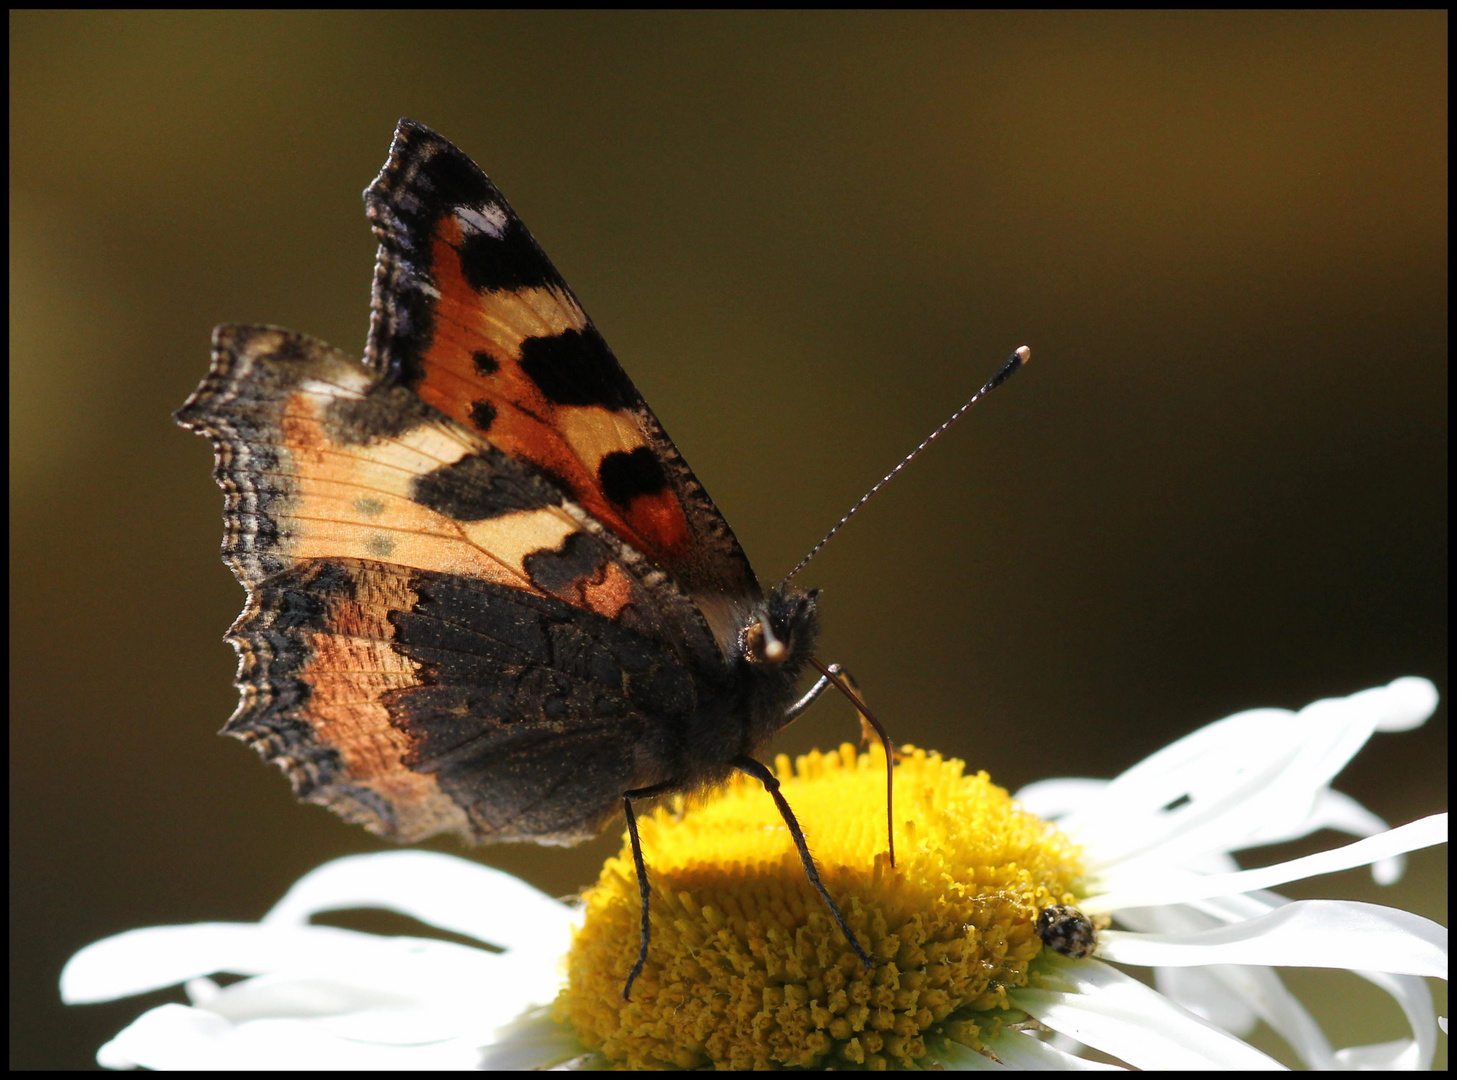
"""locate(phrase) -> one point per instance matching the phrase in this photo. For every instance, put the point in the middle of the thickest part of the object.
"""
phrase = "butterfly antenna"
(1007, 370)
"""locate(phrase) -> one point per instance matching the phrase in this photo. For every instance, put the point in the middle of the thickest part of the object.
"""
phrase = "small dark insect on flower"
(1067, 931)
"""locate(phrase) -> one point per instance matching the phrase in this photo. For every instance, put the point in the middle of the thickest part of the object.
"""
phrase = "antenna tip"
(1023, 354)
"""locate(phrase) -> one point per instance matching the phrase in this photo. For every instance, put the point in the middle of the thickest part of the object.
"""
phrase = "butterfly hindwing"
(424, 612)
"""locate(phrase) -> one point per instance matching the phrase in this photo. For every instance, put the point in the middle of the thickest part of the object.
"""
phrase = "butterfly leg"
(642, 874)
(762, 774)
(821, 685)
(843, 681)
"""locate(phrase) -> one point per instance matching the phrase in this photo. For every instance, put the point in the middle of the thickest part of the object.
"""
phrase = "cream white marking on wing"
(489, 219)
(343, 379)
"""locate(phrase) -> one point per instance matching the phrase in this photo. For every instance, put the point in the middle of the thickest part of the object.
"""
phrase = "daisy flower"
(992, 937)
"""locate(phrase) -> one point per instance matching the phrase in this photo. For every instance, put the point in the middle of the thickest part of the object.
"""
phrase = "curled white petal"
(1238, 997)
(139, 961)
(1307, 933)
(178, 1037)
(1136, 885)
(1405, 703)
(1415, 998)
(1244, 780)
(1112, 1012)
(453, 894)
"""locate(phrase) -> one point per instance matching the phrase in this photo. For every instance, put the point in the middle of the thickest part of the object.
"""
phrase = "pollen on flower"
(748, 970)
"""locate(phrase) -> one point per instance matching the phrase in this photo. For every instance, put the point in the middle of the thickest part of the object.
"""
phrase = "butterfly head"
(783, 631)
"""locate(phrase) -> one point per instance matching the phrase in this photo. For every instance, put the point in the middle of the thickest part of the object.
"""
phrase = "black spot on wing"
(580, 558)
(301, 601)
(484, 362)
(482, 415)
(503, 257)
(476, 488)
(511, 259)
(576, 367)
(451, 178)
(384, 412)
(625, 476)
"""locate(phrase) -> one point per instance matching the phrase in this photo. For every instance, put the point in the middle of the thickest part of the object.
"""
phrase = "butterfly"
(486, 594)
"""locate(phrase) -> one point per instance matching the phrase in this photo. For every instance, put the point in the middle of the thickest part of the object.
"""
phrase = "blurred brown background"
(1221, 483)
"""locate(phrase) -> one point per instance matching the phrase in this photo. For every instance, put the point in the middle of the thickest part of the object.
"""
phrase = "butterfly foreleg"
(762, 774)
(645, 932)
(821, 685)
(836, 673)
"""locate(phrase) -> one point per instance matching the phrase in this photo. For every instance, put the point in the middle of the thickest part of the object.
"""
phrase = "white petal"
(348, 1011)
(1237, 997)
(178, 1037)
(1405, 703)
(1052, 799)
(532, 1041)
(1415, 998)
(1203, 994)
(1135, 885)
(1223, 806)
(1246, 987)
(1239, 781)
(1338, 811)
(1307, 933)
(1025, 1052)
(139, 961)
(453, 894)
(201, 990)
(1244, 752)
(958, 1058)
(1400, 1054)
(1111, 1012)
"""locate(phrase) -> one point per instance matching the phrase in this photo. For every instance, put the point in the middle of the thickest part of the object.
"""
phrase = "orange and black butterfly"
(486, 595)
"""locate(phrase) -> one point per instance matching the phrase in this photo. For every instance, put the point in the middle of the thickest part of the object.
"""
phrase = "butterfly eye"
(761, 644)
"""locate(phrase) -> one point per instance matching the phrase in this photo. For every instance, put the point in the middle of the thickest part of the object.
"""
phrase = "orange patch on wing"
(354, 502)
(610, 595)
(349, 670)
(495, 323)
(569, 441)
(661, 517)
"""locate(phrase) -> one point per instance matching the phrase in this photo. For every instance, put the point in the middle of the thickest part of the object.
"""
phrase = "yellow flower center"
(747, 968)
